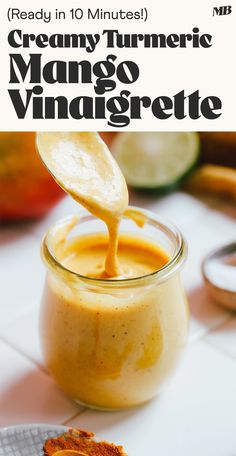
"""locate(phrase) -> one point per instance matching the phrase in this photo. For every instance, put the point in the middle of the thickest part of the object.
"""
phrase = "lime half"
(156, 160)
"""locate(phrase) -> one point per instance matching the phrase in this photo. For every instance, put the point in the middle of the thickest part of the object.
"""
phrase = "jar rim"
(159, 275)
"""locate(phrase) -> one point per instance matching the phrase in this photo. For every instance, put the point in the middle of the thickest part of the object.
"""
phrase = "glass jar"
(113, 344)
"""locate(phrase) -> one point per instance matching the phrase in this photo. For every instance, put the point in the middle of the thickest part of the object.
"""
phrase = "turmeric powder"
(82, 442)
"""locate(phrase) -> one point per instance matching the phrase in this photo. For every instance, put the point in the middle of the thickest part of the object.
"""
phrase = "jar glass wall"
(113, 344)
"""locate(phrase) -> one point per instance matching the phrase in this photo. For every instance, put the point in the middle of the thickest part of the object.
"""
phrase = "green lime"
(156, 160)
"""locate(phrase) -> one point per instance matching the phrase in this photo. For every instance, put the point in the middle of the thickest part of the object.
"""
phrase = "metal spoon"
(219, 273)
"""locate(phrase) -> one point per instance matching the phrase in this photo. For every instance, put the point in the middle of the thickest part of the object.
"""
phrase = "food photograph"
(118, 293)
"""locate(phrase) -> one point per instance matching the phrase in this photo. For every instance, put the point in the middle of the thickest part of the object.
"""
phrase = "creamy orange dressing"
(82, 164)
(137, 256)
(108, 344)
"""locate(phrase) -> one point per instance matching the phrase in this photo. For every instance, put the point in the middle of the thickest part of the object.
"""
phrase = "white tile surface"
(196, 417)
(67, 206)
(22, 273)
(224, 338)
(205, 314)
(22, 333)
(178, 207)
(205, 234)
(27, 395)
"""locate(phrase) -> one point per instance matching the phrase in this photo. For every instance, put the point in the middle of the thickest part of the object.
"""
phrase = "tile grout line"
(216, 327)
(201, 337)
(39, 366)
(20, 314)
(190, 343)
(74, 416)
(22, 353)
(210, 330)
(44, 370)
(221, 350)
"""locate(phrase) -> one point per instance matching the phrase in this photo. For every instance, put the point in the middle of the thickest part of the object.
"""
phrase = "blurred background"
(27, 191)
(189, 179)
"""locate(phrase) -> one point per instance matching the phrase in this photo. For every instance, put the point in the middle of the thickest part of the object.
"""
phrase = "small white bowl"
(219, 273)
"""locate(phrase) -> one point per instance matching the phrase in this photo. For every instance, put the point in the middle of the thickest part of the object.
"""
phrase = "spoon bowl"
(82, 165)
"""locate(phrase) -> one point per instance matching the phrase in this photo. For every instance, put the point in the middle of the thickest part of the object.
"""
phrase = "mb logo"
(222, 10)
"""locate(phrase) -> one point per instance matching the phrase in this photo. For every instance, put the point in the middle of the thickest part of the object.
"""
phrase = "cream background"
(162, 71)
